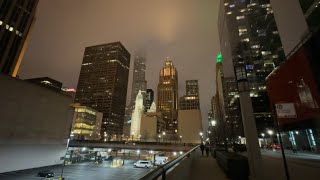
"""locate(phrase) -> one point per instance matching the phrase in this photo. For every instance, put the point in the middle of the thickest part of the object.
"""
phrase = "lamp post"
(249, 124)
(201, 136)
(180, 139)
(270, 132)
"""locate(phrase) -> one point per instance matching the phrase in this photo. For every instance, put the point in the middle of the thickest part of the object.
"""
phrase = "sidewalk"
(206, 168)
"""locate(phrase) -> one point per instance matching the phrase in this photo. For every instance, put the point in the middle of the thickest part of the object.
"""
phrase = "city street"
(301, 165)
(85, 171)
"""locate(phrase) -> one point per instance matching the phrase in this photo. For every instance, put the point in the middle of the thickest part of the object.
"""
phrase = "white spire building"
(136, 116)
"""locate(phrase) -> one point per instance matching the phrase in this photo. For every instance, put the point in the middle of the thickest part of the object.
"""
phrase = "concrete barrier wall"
(23, 156)
(182, 170)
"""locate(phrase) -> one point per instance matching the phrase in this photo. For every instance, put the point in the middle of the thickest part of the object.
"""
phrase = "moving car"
(143, 164)
(46, 173)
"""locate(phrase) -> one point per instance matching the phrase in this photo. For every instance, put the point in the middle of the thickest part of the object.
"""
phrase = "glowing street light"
(270, 132)
(213, 122)
(201, 134)
(164, 133)
(262, 134)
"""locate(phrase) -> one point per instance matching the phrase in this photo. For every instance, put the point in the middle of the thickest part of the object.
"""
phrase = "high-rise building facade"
(103, 83)
(232, 107)
(149, 98)
(192, 88)
(191, 99)
(249, 37)
(16, 19)
(168, 96)
(139, 77)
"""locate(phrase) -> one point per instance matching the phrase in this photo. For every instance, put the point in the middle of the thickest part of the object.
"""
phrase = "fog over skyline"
(184, 30)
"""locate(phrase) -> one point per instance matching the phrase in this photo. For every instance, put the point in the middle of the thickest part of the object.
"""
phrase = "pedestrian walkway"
(204, 168)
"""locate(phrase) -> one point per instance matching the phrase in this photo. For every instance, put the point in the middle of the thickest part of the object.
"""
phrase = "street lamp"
(249, 124)
(270, 132)
(213, 123)
(180, 139)
(264, 140)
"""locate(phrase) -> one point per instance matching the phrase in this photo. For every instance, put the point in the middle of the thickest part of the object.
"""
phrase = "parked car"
(143, 164)
(46, 173)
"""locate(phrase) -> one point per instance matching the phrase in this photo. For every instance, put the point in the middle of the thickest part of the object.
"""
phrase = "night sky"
(184, 30)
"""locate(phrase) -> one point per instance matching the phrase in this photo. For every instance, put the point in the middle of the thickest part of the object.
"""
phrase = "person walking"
(202, 148)
(207, 147)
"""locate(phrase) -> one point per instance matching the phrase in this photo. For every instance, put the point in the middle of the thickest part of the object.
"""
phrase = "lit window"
(1, 23)
(11, 29)
(245, 40)
(255, 46)
(240, 17)
(231, 5)
(226, 4)
(275, 32)
(230, 12)
(242, 10)
(7, 26)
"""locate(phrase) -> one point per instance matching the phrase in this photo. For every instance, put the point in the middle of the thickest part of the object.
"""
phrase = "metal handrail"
(161, 171)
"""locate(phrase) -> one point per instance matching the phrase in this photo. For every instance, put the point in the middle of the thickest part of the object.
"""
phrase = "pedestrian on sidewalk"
(202, 148)
(207, 147)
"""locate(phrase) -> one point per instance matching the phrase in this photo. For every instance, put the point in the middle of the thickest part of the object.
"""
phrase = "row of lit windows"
(10, 28)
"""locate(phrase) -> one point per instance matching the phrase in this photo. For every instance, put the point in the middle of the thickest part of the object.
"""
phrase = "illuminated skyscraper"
(168, 96)
(103, 85)
(249, 37)
(16, 19)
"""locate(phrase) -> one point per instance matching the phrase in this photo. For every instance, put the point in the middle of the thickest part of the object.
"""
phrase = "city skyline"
(185, 31)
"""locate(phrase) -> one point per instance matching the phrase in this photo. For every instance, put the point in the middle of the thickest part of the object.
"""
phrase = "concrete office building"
(35, 125)
(168, 96)
(190, 126)
(103, 83)
(16, 21)
(152, 125)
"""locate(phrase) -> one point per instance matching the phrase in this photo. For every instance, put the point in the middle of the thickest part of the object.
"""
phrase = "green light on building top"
(219, 58)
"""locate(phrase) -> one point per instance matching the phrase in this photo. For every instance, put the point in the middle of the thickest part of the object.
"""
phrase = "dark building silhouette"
(16, 19)
(103, 83)
(149, 98)
(191, 100)
(46, 82)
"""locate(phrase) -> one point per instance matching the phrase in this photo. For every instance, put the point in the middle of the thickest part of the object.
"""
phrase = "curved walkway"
(206, 168)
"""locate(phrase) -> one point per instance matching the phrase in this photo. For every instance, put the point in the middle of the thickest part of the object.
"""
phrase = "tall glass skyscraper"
(103, 85)
(139, 78)
(249, 37)
(16, 19)
(168, 96)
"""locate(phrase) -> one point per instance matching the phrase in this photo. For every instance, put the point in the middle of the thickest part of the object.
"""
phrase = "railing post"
(164, 175)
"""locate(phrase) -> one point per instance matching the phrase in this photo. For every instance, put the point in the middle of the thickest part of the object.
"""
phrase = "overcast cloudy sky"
(185, 30)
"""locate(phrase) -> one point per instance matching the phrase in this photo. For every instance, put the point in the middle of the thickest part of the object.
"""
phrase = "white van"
(161, 160)
(143, 164)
